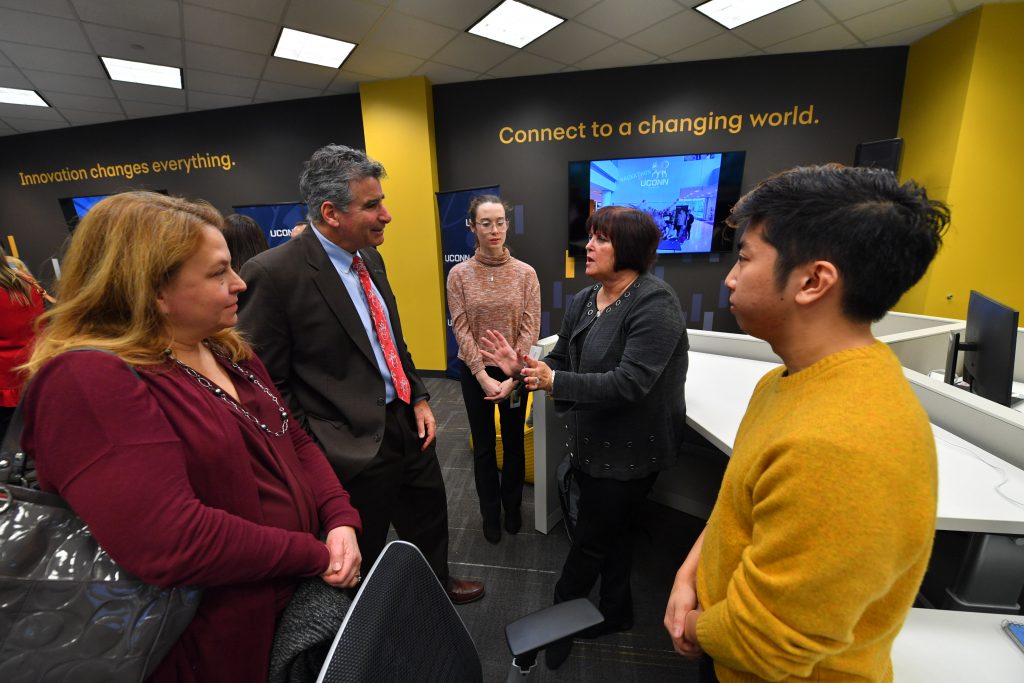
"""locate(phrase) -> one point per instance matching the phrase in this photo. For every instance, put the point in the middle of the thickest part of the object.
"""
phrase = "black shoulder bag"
(68, 612)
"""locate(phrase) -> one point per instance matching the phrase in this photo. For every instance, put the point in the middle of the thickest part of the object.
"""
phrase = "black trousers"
(495, 490)
(603, 544)
(402, 487)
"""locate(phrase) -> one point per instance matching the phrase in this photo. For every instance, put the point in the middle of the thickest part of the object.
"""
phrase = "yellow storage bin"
(527, 438)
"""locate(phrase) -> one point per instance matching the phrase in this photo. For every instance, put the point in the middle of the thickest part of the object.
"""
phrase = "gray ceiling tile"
(569, 42)
(619, 54)
(162, 17)
(55, 8)
(209, 26)
(209, 82)
(149, 93)
(563, 8)
(622, 19)
(909, 36)
(137, 47)
(37, 29)
(381, 63)
(58, 61)
(206, 100)
(224, 60)
(347, 20)
(76, 85)
(344, 84)
(904, 15)
(33, 125)
(456, 14)
(21, 111)
(409, 35)
(829, 38)
(676, 33)
(846, 9)
(524, 64)
(722, 46)
(787, 23)
(3, 60)
(84, 118)
(83, 102)
(299, 73)
(12, 78)
(140, 109)
(268, 10)
(269, 92)
(442, 73)
(469, 49)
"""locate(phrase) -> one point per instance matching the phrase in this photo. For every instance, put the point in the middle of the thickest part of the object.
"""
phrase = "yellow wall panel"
(398, 124)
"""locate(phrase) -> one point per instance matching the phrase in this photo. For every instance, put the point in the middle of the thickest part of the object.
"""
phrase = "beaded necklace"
(224, 396)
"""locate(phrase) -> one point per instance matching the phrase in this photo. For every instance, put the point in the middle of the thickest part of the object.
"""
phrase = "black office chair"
(402, 627)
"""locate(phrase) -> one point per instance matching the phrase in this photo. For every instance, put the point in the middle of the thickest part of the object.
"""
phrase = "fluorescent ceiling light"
(141, 72)
(733, 13)
(312, 49)
(18, 96)
(515, 24)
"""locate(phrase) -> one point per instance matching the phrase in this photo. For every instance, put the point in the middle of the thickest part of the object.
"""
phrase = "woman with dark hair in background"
(158, 425)
(21, 302)
(617, 371)
(493, 291)
(245, 239)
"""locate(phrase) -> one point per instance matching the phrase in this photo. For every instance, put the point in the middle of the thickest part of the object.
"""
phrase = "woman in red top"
(190, 472)
(20, 305)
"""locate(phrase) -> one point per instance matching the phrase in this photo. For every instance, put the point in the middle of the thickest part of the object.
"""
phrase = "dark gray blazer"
(620, 380)
(305, 328)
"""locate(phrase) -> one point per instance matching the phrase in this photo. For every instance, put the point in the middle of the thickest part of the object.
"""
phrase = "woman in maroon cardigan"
(189, 472)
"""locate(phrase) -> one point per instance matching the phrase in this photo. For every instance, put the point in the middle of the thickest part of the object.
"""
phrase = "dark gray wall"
(267, 144)
(856, 97)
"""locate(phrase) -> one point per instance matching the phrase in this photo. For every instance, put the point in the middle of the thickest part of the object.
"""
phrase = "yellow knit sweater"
(823, 526)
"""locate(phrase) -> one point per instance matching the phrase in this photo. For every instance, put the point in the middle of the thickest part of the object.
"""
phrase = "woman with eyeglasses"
(493, 291)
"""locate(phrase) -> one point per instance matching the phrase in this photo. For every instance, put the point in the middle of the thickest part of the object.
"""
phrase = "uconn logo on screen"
(281, 232)
(456, 258)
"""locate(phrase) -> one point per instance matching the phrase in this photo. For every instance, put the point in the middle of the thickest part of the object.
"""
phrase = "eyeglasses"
(490, 226)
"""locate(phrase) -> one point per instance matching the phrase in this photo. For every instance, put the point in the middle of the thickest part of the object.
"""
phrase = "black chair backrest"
(401, 627)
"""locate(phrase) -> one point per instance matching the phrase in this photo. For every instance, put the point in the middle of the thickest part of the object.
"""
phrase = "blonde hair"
(126, 249)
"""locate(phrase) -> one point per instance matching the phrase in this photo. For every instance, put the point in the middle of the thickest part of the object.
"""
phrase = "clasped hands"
(343, 567)
(494, 348)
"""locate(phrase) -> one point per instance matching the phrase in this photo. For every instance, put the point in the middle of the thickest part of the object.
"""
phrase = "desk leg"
(991, 576)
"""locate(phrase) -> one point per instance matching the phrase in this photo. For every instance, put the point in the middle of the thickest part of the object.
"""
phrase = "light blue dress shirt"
(342, 261)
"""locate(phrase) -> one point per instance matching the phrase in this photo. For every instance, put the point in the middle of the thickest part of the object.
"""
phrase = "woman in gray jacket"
(617, 372)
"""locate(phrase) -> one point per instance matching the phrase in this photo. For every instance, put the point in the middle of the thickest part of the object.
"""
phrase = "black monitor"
(989, 348)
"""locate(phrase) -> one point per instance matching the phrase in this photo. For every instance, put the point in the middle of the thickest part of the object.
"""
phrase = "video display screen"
(688, 196)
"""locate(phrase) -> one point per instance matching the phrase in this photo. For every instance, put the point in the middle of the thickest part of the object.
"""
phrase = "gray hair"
(328, 174)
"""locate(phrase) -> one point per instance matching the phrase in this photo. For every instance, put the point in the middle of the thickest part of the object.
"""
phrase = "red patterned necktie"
(380, 324)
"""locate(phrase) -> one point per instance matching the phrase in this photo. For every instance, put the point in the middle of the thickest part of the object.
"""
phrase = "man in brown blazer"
(322, 316)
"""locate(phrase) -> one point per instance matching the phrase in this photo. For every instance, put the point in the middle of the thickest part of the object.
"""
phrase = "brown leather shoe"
(461, 591)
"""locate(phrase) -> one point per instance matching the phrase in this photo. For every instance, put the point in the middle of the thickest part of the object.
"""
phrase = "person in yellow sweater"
(824, 523)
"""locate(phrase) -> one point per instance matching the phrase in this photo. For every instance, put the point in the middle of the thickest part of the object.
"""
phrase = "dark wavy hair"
(245, 239)
(880, 235)
(633, 234)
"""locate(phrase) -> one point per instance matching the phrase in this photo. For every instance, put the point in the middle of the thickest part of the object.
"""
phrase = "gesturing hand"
(494, 348)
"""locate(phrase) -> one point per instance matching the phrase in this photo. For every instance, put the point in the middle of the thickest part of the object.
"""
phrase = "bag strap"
(16, 466)
(35, 285)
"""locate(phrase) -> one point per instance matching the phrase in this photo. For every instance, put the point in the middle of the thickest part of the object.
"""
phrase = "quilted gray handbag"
(67, 611)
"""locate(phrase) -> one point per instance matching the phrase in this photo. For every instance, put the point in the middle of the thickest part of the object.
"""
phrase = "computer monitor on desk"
(989, 348)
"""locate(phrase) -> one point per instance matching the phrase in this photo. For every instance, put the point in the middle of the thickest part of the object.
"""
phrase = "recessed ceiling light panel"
(141, 72)
(29, 98)
(515, 24)
(312, 49)
(733, 13)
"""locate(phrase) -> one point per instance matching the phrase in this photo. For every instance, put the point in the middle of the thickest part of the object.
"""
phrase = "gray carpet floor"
(520, 572)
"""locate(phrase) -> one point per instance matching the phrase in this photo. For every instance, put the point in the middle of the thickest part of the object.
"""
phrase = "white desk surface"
(718, 389)
(939, 646)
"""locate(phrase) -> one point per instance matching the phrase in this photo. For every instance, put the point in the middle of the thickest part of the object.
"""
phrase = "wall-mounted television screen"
(689, 196)
(277, 220)
(75, 208)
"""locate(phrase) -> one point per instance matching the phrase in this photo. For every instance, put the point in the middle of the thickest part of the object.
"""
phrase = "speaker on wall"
(880, 154)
